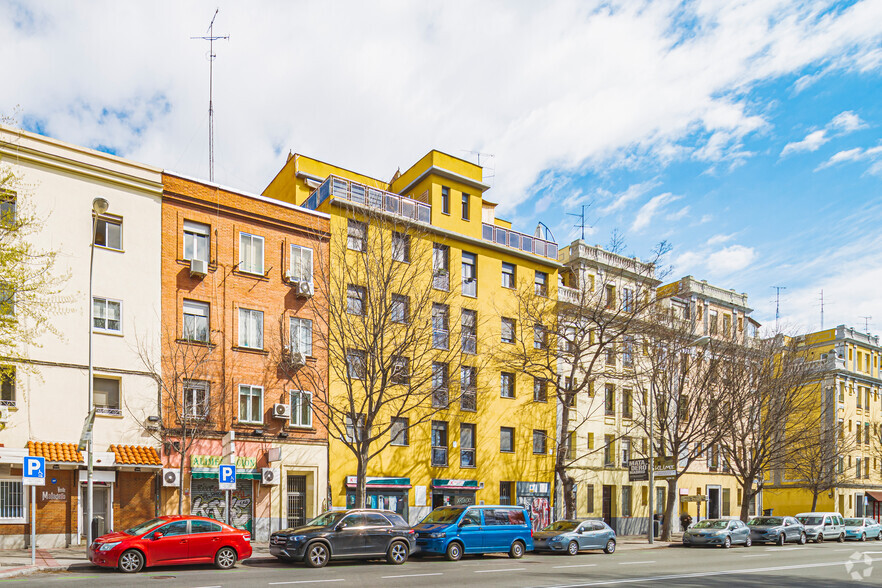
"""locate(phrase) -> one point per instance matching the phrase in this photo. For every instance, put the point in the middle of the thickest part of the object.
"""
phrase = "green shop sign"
(213, 461)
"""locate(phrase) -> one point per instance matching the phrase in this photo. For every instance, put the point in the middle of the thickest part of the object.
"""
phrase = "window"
(355, 299)
(7, 207)
(301, 408)
(539, 442)
(445, 199)
(660, 501)
(251, 254)
(627, 401)
(590, 441)
(609, 454)
(356, 234)
(398, 431)
(858, 397)
(712, 321)
(626, 452)
(506, 493)
(589, 498)
(7, 385)
(440, 267)
(626, 501)
(301, 335)
(506, 439)
(250, 328)
(507, 385)
(356, 364)
(400, 309)
(7, 299)
(540, 390)
(469, 331)
(400, 247)
(469, 274)
(610, 353)
(467, 445)
(465, 206)
(609, 400)
(108, 232)
(610, 296)
(627, 299)
(540, 337)
(541, 284)
(440, 398)
(400, 371)
(440, 326)
(196, 399)
(570, 441)
(250, 404)
(105, 396)
(628, 351)
(301, 264)
(106, 315)
(508, 330)
(197, 527)
(439, 443)
(196, 316)
(867, 433)
(12, 502)
(468, 399)
(857, 467)
(196, 241)
(354, 432)
(508, 275)
(727, 325)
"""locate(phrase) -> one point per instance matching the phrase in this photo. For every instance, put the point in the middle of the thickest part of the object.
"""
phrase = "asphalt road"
(810, 566)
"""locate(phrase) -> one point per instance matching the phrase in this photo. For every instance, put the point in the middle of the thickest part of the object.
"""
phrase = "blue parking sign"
(34, 472)
(227, 477)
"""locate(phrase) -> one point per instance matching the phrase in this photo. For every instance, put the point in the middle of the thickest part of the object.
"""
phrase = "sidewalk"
(17, 562)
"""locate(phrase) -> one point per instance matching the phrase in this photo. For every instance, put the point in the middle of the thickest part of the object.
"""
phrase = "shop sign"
(695, 498)
(638, 469)
(214, 461)
(453, 484)
(59, 494)
(403, 483)
(540, 488)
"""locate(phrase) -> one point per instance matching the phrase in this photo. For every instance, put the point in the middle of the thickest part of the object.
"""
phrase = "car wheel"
(516, 551)
(454, 551)
(317, 555)
(610, 547)
(782, 539)
(803, 539)
(727, 543)
(748, 542)
(841, 538)
(226, 558)
(573, 548)
(397, 553)
(131, 561)
(863, 536)
(820, 538)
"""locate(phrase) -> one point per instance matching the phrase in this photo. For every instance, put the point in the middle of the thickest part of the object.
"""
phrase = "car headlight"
(436, 535)
(108, 546)
(296, 538)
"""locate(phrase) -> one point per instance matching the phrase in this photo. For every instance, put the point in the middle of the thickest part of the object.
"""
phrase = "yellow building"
(849, 412)
(494, 452)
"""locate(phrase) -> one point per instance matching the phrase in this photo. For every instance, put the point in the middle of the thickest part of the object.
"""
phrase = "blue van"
(454, 530)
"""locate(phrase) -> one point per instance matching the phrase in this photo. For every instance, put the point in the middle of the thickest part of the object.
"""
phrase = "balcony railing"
(520, 241)
(567, 294)
(372, 197)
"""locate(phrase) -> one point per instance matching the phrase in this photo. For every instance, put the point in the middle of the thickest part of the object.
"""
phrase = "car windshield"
(143, 527)
(327, 519)
(562, 526)
(854, 522)
(443, 515)
(769, 521)
(809, 520)
(710, 525)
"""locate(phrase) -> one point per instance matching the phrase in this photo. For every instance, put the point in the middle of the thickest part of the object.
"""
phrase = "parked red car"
(171, 540)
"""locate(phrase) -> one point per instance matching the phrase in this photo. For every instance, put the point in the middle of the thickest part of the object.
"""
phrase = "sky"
(745, 134)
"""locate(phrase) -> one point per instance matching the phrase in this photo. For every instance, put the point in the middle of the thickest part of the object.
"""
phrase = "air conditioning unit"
(171, 477)
(4, 414)
(282, 411)
(269, 477)
(198, 268)
(305, 289)
(295, 359)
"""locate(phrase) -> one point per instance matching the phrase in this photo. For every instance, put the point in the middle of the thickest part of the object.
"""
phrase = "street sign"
(86, 435)
(34, 472)
(638, 469)
(227, 477)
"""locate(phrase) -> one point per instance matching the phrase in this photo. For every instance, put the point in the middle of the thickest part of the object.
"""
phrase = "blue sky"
(744, 132)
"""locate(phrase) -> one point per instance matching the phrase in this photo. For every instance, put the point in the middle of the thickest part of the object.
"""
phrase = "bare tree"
(818, 462)
(396, 357)
(190, 410)
(585, 336)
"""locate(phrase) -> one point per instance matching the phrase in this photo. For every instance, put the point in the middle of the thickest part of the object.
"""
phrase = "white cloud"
(720, 239)
(842, 124)
(812, 142)
(633, 192)
(731, 259)
(846, 122)
(678, 215)
(648, 210)
(856, 154)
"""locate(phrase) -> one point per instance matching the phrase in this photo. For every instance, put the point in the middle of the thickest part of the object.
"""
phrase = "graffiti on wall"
(208, 501)
(539, 508)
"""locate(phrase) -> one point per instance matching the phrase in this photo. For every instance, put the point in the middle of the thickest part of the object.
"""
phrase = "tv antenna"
(822, 310)
(778, 304)
(866, 323)
(581, 217)
(211, 38)
(489, 169)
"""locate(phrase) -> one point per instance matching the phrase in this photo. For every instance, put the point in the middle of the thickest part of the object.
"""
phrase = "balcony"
(375, 198)
(568, 295)
(520, 241)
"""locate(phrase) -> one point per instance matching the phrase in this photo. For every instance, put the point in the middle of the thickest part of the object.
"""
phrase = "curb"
(28, 570)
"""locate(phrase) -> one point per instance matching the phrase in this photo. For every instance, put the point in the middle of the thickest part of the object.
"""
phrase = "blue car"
(861, 529)
(452, 531)
(571, 536)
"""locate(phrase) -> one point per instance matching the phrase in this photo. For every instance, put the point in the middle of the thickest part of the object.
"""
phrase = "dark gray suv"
(365, 534)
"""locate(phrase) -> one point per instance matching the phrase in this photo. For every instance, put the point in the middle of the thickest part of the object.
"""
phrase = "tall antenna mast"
(822, 310)
(778, 304)
(581, 217)
(866, 323)
(211, 38)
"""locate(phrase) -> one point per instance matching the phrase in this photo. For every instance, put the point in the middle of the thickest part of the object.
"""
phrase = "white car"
(823, 526)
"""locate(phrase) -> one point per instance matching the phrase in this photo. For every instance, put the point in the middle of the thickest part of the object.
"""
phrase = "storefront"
(536, 498)
(453, 492)
(874, 505)
(208, 500)
(385, 493)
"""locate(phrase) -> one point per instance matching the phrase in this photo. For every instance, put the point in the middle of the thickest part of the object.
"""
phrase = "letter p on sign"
(34, 472)
(227, 477)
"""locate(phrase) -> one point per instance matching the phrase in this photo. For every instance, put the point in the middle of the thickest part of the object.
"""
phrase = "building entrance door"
(296, 501)
(100, 522)
(607, 505)
(713, 502)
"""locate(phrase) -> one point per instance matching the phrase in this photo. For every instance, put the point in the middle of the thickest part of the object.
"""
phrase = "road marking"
(630, 563)
(307, 581)
(576, 566)
(841, 550)
(412, 575)
(756, 555)
(703, 574)
(502, 570)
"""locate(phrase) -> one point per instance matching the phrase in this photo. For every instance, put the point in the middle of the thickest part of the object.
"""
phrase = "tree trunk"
(569, 500)
(361, 481)
(815, 494)
(560, 461)
(745, 501)
(670, 501)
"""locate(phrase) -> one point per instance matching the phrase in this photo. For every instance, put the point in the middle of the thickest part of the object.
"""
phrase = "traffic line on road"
(756, 555)
(308, 581)
(630, 563)
(575, 566)
(502, 570)
(412, 575)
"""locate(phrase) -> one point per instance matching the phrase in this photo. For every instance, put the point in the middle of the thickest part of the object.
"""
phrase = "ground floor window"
(444, 497)
(506, 494)
(206, 500)
(386, 499)
(536, 498)
(12, 503)
(296, 501)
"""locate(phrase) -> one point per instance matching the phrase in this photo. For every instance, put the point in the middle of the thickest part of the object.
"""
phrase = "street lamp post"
(99, 206)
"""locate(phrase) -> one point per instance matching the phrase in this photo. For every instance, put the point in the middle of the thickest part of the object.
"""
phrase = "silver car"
(822, 526)
(778, 530)
(862, 529)
(721, 532)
